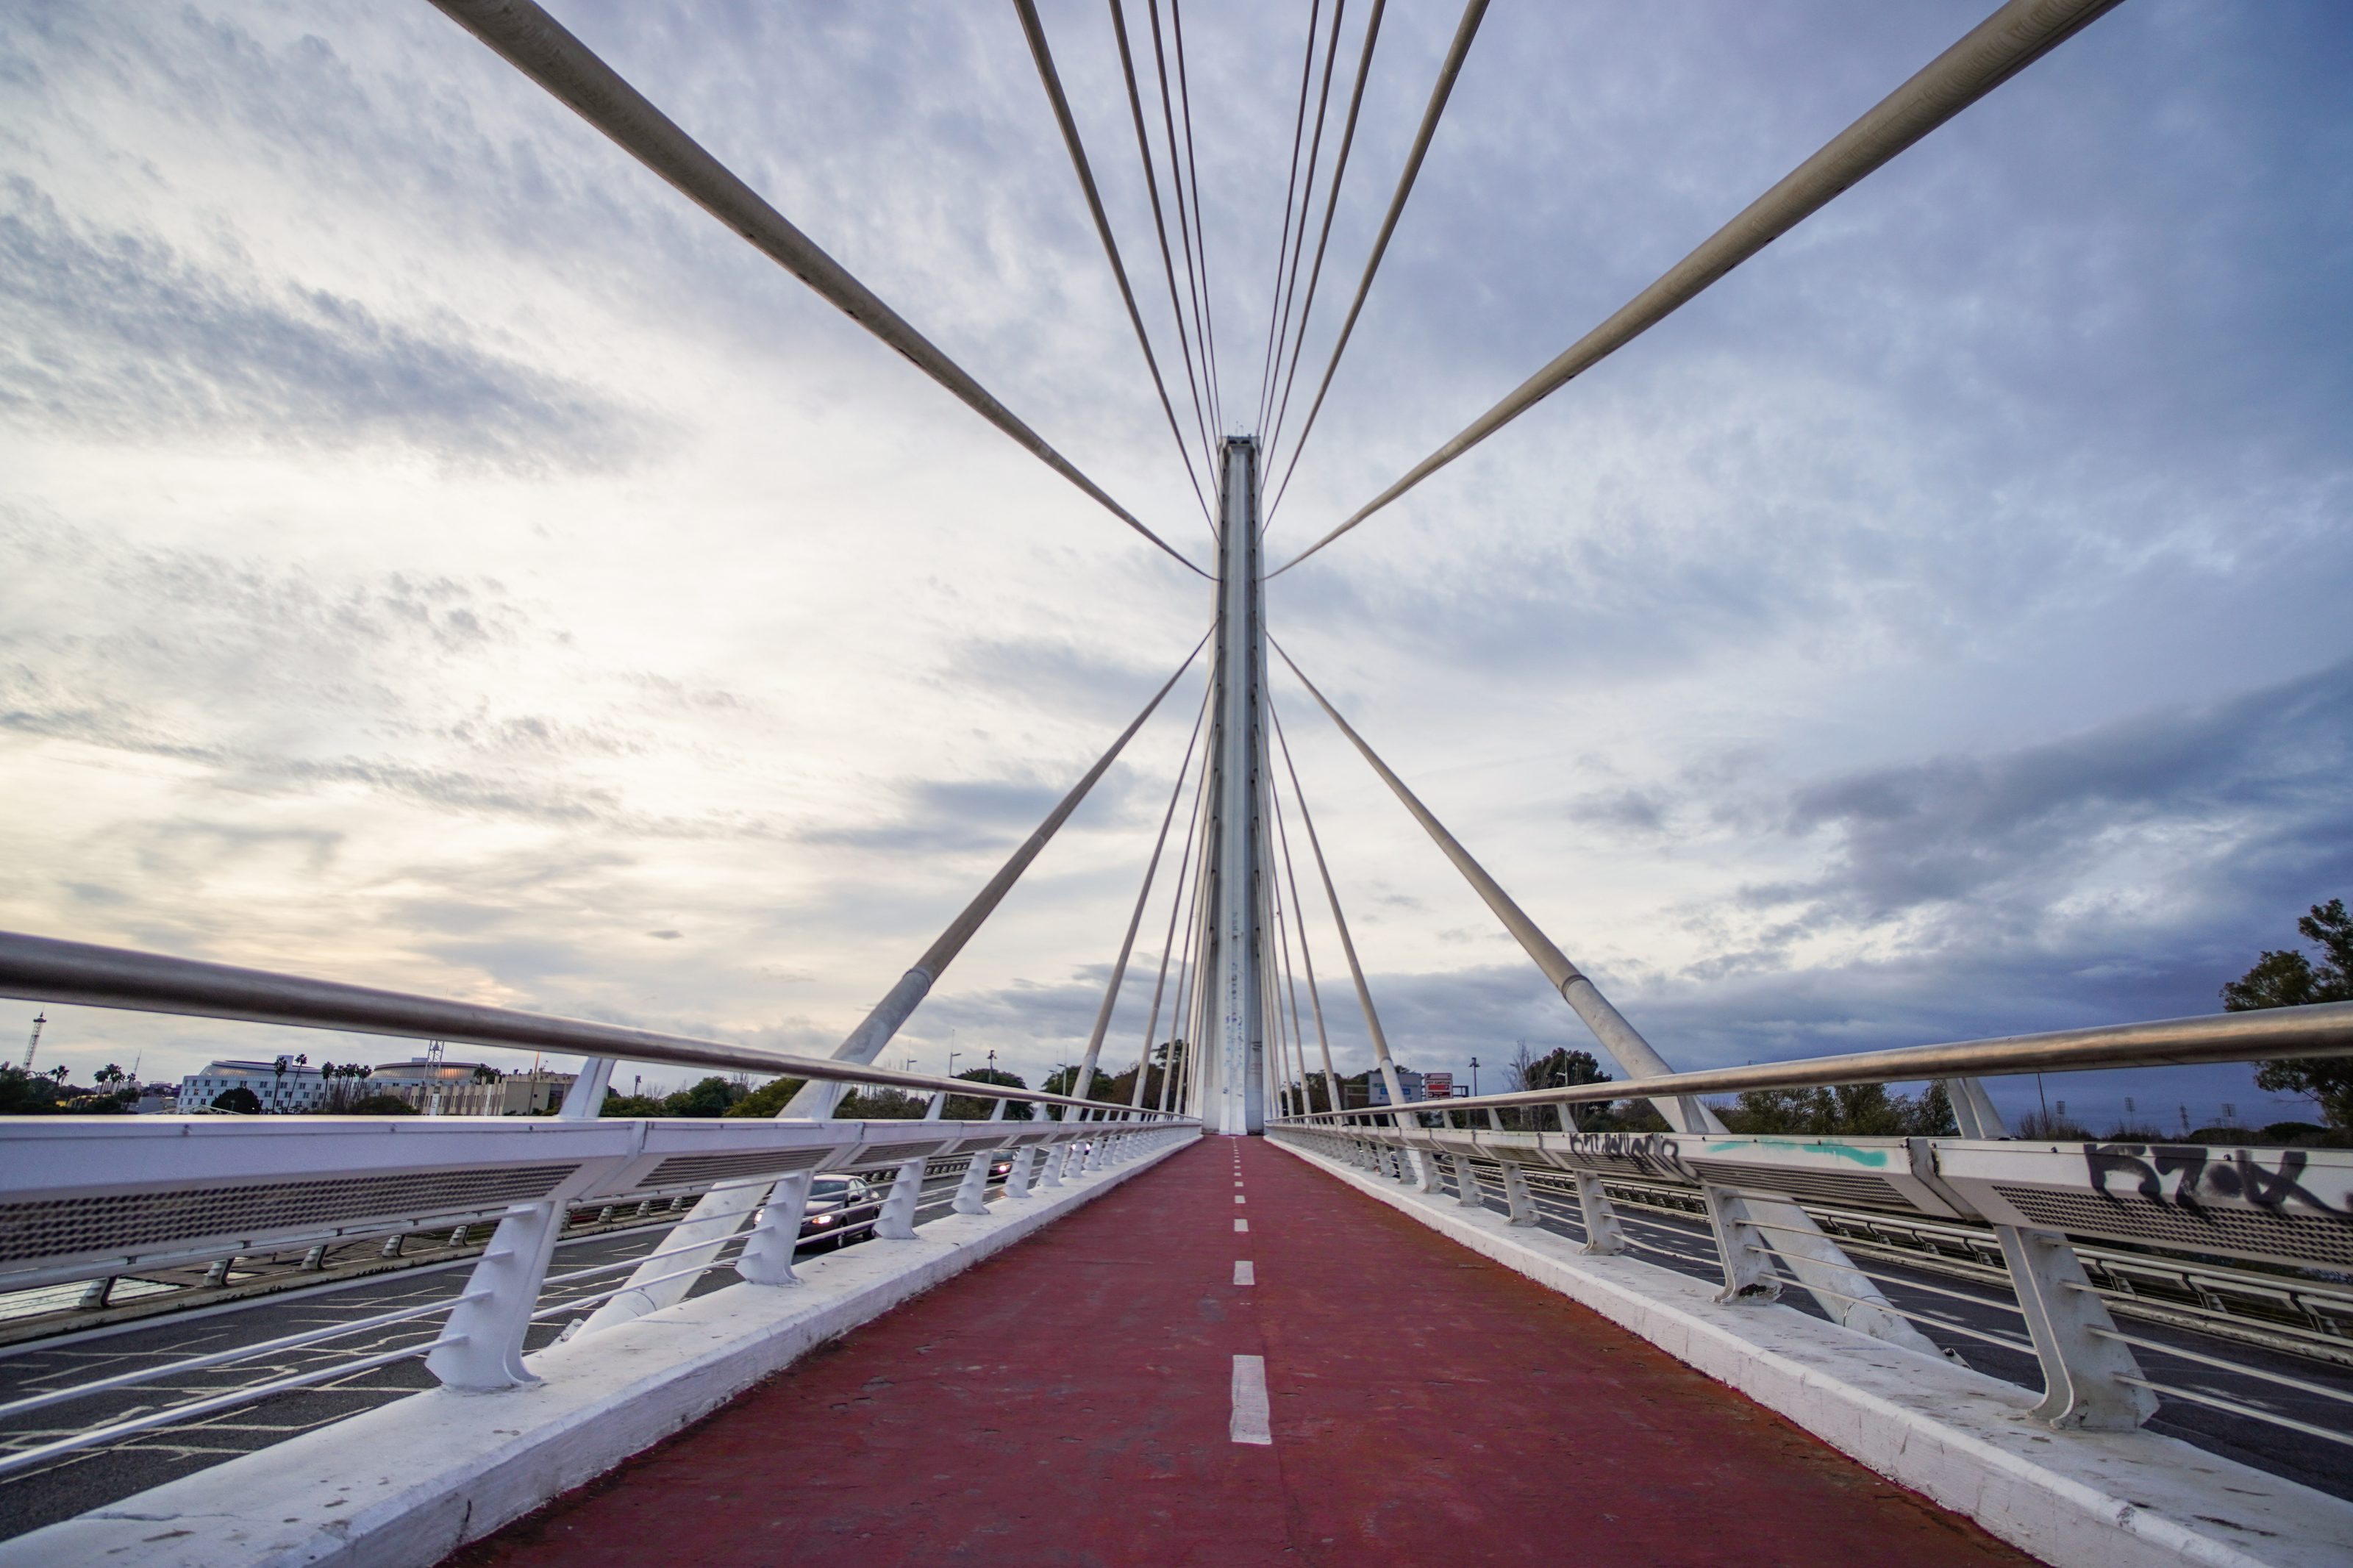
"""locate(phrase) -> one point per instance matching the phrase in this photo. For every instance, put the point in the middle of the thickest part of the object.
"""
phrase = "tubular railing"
(88, 1200)
(2236, 1260)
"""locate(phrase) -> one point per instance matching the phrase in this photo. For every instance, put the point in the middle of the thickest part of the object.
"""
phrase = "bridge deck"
(1072, 1401)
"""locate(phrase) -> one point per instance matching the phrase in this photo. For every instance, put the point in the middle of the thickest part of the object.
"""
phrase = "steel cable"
(1444, 88)
(1290, 193)
(1160, 228)
(1144, 894)
(1035, 31)
(1201, 221)
(1331, 208)
(535, 44)
(2005, 43)
(1184, 219)
(1290, 286)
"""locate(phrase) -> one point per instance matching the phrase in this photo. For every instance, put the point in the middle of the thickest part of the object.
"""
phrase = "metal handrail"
(2322, 1029)
(84, 974)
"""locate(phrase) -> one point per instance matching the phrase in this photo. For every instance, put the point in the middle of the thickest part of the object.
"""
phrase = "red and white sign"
(1437, 1085)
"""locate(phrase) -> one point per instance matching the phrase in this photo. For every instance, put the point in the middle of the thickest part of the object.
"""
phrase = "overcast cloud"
(432, 553)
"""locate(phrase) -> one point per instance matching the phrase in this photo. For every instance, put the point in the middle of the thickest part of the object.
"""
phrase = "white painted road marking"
(1244, 1273)
(1240, 1199)
(1252, 1422)
(1241, 1225)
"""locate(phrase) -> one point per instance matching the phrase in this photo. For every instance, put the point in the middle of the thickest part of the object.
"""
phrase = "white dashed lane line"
(1240, 1199)
(1244, 1274)
(1252, 1422)
(1240, 1224)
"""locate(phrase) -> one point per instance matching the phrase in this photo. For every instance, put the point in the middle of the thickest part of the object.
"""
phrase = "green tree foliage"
(27, 1094)
(2287, 978)
(974, 1108)
(768, 1101)
(882, 1105)
(379, 1105)
(242, 1101)
(619, 1104)
(1848, 1110)
(710, 1097)
(1557, 1068)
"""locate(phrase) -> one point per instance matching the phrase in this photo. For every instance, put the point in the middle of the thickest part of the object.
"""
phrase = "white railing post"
(1515, 1193)
(768, 1249)
(482, 1342)
(1016, 1180)
(1466, 1185)
(972, 1193)
(896, 1222)
(1748, 1271)
(1603, 1235)
(2085, 1368)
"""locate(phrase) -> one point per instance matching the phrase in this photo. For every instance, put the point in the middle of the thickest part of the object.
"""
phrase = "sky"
(435, 554)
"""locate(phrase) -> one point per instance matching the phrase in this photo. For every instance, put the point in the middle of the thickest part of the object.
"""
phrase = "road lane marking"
(1241, 1225)
(1244, 1273)
(1252, 1421)
(1240, 1199)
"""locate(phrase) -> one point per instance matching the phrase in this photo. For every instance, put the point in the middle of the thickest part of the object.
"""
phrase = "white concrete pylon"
(1232, 1025)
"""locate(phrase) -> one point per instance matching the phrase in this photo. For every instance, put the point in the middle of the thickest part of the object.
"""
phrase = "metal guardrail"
(43, 969)
(2269, 1224)
(90, 1199)
(2322, 1030)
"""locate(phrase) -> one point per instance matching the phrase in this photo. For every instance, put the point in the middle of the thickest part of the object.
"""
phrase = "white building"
(439, 1087)
(299, 1088)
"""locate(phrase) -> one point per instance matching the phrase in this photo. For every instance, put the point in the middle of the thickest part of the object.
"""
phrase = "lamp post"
(952, 1056)
(1474, 1076)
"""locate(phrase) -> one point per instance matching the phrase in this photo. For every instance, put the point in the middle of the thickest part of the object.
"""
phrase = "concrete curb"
(405, 1485)
(1959, 1438)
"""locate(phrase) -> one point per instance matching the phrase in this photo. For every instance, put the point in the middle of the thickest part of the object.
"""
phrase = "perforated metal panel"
(897, 1153)
(989, 1140)
(125, 1223)
(687, 1170)
(2217, 1227)
(1817, 1186)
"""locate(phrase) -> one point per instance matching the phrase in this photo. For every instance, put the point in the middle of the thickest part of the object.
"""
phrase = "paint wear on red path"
(1069, 1401)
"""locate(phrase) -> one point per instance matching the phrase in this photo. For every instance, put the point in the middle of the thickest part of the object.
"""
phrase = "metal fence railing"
(88, 1202)
(2121, 1277)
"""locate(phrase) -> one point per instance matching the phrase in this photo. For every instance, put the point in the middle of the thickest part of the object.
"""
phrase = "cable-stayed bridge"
(1245, 1319)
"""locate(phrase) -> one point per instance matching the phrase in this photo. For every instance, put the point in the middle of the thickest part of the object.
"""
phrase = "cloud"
(2245, 788)
(117, 334)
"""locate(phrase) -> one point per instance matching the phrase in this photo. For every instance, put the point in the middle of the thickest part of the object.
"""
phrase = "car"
(839, 1210)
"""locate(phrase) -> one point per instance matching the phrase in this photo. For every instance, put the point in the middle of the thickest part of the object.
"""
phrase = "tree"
(1558, 1069)
(710, 1097)
(1841, 1111)
(380, 1105)
(1059, 1080)
(768, 1101)
(2286, 978)
(619, 1104)
(974, 1108)
(26, 1094)
(240, 1100)
(882, 1105)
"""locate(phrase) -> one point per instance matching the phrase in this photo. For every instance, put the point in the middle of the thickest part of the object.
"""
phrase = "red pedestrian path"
(1068, 1401)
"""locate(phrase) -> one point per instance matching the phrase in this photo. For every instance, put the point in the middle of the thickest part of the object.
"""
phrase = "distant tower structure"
(35, 1043)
